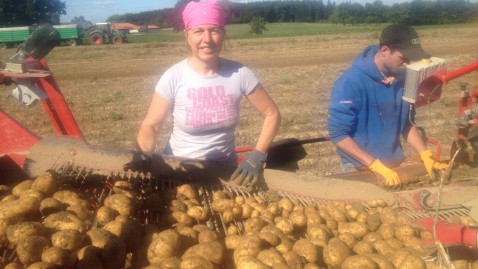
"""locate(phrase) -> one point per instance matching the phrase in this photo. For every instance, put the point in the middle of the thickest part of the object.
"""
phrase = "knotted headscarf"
(197, 13)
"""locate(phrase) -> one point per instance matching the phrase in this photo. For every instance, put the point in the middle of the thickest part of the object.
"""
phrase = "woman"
(204, 92)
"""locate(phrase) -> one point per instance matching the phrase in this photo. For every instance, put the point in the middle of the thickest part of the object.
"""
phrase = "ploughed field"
(108, 89)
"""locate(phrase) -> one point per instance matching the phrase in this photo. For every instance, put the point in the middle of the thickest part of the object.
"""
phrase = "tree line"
(416, 12)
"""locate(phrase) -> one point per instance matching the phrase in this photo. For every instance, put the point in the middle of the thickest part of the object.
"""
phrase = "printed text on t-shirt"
(210, 106)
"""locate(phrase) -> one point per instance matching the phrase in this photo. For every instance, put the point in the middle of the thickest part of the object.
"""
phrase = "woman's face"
(205, 41)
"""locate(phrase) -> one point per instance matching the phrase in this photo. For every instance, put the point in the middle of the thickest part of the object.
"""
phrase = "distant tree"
(81, 22)
(258, 24)
(29, 12)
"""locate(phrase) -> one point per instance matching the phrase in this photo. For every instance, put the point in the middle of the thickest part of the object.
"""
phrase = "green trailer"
(72, 34)
(13, 36)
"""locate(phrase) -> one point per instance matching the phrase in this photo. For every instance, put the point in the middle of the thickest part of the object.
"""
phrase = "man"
(367, 114)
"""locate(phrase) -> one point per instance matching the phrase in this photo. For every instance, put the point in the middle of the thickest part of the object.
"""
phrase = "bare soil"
(109, 87)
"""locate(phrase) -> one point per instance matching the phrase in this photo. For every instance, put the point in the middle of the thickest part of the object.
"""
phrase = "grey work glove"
(140, 162)
(248, 171)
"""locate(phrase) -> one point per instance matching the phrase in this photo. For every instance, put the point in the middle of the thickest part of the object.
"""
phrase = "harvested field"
(108, 88)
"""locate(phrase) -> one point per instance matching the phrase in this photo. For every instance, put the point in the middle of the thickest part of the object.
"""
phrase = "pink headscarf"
(197, 13)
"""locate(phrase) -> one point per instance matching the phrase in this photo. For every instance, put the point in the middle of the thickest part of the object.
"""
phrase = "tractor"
(104, 33)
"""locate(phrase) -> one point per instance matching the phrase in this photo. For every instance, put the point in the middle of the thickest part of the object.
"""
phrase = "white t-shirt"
(205, 109)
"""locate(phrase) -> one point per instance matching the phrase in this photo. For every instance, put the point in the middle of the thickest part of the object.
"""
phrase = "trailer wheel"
(117, 40)
(96, 39)
(72, 42)
(3, 46)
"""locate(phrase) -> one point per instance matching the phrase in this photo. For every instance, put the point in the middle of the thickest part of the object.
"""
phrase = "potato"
(81, 212)
(14, 265)
(227, 216)
(382, 247)
(270, 256)
(51, 205)
(286, 204)
(373, 221)
(70, 198)
(358, 261)
(284, 224)
(318, 234)
(18, 210)
(207, 236)
(394, 243)
(98, 237)
(19, 231)
(171, 263)
(67, 239)
(387, 231)
(64, 220)
(89, 258)
(298, 220)
(249, 262)
(250, 245)
(56, 255)
(186, 192)
(348, 239)
(125, 187)
(382, 261)
(187, 236)
(105, 214)
(335, 253)
(404, 231)
(33, 193)
(232, 241)
(30, 249)
(195, 262)
(270, 238)
(180, 217)
(9, 197)
(404, 259)
(42, 265)
(253, 225)
(362, 248)
(22, 187)
(372, 237)
(388, 216)
(415, 244)
(178, 205)
(293, 260)
(210, 251)
(46, 183)
(307, 249)
(246, 211)
(357, 229)
(460, 264)
(121, 203)
(198, 213)
(164, 246)
(221, 205)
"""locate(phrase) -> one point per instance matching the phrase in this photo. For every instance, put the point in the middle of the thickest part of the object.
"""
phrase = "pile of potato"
(52, 226)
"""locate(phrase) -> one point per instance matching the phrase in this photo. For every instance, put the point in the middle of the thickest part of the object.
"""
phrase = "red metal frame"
(16, 139)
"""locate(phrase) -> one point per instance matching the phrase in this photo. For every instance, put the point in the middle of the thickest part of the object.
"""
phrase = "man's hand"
(140, 163)
(430, 163)
(389, 177)
(449, 234)
(248, 171)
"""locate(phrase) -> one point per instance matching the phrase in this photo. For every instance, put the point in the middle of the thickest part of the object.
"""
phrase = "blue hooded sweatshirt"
(370, 111)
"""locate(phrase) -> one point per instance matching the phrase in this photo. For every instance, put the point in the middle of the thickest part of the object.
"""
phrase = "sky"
(99, 10)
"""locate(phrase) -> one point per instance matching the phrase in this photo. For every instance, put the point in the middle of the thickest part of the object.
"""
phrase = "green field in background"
(241, 31)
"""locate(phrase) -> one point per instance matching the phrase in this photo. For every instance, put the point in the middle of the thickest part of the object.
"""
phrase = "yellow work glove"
(430, 163)
(384, 173)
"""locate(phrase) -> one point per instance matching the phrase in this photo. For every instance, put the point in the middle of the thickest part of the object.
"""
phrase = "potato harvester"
(24, 154)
